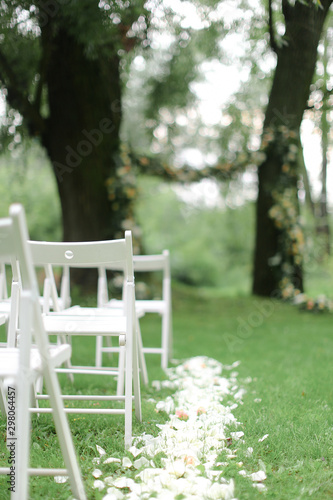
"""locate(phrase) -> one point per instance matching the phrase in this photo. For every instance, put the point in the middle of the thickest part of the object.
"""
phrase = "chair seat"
(5, 306)
(84, 321)
(117, 310)
(150, 306)
(9, 359)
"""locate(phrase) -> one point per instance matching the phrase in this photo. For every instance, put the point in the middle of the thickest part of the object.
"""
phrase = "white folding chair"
(4, 299)
(92, 321)
(21, 366)
(162, 306)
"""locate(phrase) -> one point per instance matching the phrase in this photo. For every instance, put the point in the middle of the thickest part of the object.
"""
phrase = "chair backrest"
(141, 263)
(3, 282)
(91, 254)
(146, 263)
(14, 248)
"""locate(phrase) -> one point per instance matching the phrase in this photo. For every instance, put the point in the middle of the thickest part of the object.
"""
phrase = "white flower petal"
(135, 451)
(115, 493)
(258, 476)
(259, 486)
(60, 479)
(237, 435)
(97, 473)
(99, 485)
(127, 462)
(263, 438)
(112, 460)
(123, 482)
(141, 462)
(249, 451)
(100, 450)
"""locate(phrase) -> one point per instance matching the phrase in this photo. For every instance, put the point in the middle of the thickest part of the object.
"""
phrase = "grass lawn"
(288, 355)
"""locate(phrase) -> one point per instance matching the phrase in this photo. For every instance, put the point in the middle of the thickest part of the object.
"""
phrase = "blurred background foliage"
(210, 245)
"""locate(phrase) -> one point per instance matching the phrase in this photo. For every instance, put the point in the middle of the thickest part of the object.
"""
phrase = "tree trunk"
(322, 223)
(289, 93)
(81, 135)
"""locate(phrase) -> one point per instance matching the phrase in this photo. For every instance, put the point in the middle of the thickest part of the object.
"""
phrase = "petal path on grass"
(190, 442)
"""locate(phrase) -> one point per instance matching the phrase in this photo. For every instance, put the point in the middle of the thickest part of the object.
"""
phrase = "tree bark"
(323, 223)
(296, 60)
(81, 134)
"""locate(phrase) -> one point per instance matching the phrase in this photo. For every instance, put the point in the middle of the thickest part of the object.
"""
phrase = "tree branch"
(17, 98)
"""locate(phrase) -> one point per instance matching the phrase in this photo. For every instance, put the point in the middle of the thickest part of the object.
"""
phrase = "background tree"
(65, 67)
(60, 70)
(279, 238)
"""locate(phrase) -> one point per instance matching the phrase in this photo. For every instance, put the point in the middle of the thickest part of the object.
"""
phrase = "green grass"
(287, 353)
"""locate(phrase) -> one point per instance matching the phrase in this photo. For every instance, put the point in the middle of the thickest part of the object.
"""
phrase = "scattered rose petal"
(134, 451)
(249, 451)
(60, 479)
(259, 486)
(240, 394)
(100, 450)
(257, 400)
(124, 482)
(141, 462)
(99, 485)
(263, 438)
(97, 473)
(126, 462)
(114, 494)
(237, 435)
(189, 443)
(258, 476)
(112, 460)
(156, 384)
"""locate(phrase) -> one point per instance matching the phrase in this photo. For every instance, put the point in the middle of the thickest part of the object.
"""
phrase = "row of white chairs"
(53, 314)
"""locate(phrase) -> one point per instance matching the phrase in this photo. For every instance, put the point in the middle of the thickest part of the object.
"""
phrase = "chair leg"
(121, 370)
(60, 419)
(22, 443)
(141, 356)
(136, 374)
(98, 356)
(128, 395)
(22, 395)
(165, 340)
